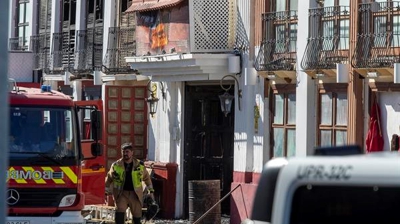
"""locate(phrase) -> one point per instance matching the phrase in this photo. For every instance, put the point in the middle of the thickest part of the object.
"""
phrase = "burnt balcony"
(62, 56)
(277, 52)
(378, 39)
(89, 50)
(121, 44)
(328, 41)
(41, 51)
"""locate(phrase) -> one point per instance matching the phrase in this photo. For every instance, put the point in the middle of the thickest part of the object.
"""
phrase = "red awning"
(151, 5)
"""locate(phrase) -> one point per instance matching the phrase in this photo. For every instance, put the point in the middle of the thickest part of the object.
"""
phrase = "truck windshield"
(42, 133)
(345, 204)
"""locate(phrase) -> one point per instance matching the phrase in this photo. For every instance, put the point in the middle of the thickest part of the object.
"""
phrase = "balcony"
(277, 54)
(328, 42)
(121, 44)
(204, 39)
(40, 48)
(89, 50)
(378, 39)
(17, 44)
(62, 56)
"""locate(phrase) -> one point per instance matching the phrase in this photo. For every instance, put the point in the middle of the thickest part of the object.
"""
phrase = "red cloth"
(374, 139)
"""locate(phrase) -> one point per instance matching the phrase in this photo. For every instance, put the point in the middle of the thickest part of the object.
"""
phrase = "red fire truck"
(50, 166)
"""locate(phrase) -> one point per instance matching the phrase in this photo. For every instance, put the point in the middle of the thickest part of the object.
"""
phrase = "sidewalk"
(104, 214)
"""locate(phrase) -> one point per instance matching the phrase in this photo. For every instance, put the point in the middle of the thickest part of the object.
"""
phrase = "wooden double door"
(209, 135)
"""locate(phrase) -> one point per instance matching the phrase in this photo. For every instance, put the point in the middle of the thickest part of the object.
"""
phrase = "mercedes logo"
(12, 197)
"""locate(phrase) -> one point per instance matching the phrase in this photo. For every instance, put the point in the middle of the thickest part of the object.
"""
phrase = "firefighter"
(126, 176)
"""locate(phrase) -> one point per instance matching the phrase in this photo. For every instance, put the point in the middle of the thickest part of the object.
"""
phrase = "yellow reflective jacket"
(116, 176)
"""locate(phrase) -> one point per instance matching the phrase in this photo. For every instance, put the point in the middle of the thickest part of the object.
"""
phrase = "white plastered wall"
(250, 151)
(389, 105)
(166, 133)
(305, 91)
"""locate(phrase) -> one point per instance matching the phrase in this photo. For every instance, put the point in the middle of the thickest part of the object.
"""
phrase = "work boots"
(136, 220)
(120, 218)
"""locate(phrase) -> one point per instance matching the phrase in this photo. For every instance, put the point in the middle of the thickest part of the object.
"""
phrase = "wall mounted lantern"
(226, 98)
(152, 100)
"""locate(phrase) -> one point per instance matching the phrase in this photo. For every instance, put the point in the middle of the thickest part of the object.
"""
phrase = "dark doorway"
(208, 140)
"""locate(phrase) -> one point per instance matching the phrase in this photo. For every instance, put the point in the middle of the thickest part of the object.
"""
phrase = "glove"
(150, 190)
(152, 207)
(108, 191)
(151, 195)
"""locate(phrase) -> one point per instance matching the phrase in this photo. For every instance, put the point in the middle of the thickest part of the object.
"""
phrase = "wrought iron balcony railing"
(89, 50)
(62, 56)
(328, 42)
(374, 51)
(17, 44)
(39, 46)
(378, 39)
(121, 44)
(278, 49)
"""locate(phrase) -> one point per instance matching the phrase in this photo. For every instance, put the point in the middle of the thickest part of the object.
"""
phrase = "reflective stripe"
(36, 178)
(57, 181)
(72, 176)
(137, 176)
(18, 180)
(121, 176)
(41, 175)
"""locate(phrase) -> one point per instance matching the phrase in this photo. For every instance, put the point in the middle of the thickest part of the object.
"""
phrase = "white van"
(329, 189)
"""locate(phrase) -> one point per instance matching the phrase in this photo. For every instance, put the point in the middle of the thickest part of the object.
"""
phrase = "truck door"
(93, 170)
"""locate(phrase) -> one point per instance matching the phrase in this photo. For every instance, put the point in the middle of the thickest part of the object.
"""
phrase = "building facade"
(299, 76)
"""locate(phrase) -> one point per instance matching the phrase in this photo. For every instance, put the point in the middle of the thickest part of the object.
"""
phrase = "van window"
(338, 204)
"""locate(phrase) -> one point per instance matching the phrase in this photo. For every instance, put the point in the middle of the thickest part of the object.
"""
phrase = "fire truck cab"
(360, 188)
(46, 158)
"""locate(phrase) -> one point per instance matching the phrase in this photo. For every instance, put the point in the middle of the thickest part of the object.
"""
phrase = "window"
(280, 38)
(96, 9)
(284, 5)
(385, 23)
(344, 34)
(127, 19)
(42, 131)
(328, 33)
(284, 124)
(86, 123)
(293, 37)
(396, 31)
(345, 204)
(336, 23)
(328, 3)
(333, 119)
(380, 31)
(69, 11)
(125, 5)
(285, 25)
(24, 10)
(90, 93)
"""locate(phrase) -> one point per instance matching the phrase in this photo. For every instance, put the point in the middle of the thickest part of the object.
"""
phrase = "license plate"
(17, 222)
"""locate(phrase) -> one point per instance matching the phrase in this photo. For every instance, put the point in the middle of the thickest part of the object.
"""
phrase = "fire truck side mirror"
(96, 125)
(97, 149)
